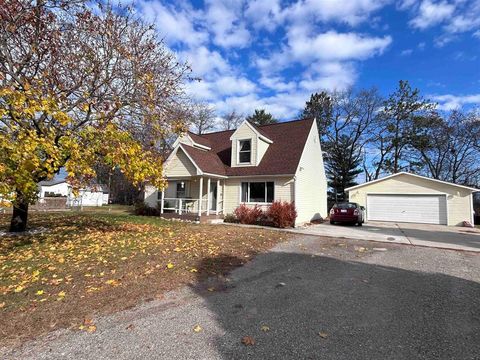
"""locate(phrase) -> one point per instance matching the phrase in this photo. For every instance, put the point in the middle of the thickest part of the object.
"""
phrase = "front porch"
(194, 196)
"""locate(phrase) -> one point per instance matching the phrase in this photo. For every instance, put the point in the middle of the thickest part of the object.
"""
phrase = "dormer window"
(245, 151)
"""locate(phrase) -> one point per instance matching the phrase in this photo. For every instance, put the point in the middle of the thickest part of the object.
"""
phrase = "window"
(259, 192)
(181, 193)
(244, 151)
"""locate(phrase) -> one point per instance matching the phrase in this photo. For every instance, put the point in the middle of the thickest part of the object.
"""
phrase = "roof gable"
(413, 175)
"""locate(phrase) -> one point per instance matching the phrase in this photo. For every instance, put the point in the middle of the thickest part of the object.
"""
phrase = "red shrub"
(248, 215)
(282, 215)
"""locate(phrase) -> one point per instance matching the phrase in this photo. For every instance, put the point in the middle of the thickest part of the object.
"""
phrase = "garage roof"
(414, 175)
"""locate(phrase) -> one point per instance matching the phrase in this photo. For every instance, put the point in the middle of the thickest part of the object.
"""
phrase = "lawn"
(80, 265)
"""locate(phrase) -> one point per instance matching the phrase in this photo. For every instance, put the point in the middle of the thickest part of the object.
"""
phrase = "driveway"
(448, 237)
(309, 298)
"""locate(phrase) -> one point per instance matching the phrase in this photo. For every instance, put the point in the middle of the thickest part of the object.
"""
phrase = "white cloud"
(204, 62)
(264, 14)
(451, 102)
(329, 76)
(332, 45)
(406, 52)
(351, 12)
(476, 34)
(175, 25)
(432, 13)
(224, 20)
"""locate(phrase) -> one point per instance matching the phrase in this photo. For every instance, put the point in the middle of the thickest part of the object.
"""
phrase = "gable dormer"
(249, 145)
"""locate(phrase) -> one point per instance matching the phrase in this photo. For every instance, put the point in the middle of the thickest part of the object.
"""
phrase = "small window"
(244, 151)
(257, 192)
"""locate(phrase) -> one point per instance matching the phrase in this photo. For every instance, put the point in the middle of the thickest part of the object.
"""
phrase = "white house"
(95, 195)
(255, 165)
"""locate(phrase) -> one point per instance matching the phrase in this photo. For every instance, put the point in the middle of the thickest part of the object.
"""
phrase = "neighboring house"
(255, 165)
(53, 188)
(406, 197)
(95, 195)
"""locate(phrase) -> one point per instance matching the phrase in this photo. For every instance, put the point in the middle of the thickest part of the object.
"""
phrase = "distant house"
(94, 195)
(254, 165)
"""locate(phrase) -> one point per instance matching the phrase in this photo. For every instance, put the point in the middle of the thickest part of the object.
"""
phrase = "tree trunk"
(19, 216)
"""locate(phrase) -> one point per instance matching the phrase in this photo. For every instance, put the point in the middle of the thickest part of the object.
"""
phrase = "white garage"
(406, 197)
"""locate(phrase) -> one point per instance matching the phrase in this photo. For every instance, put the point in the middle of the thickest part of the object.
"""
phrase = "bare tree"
(202, 118)
(231, 120)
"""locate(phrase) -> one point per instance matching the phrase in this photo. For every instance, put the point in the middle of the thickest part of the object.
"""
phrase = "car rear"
(346, 213)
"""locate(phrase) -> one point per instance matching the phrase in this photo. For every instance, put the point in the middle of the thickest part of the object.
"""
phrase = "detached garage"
(405, 197)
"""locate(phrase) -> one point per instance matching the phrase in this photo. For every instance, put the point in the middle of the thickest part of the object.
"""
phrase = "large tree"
(444, 147)
(344, 120)
(397, 126)
(76, 86)
(261, 117)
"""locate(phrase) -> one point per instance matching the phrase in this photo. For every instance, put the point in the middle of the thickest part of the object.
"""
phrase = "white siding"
(458, 200)
(311, 182)
(180, 165)
(150, 196)
(61, 188)
(262, 147)
(283, 191)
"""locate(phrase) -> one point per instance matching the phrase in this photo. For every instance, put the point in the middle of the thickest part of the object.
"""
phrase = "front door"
(213, 196)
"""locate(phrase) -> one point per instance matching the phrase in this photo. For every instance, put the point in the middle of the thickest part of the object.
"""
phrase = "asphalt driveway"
(448, 237)
(309, 298)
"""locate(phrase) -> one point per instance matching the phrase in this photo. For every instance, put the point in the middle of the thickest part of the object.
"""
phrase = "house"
(405, 197)
(94, 195)
(255, 165)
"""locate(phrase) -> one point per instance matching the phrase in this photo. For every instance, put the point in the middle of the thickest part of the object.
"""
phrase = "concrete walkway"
(438, 236)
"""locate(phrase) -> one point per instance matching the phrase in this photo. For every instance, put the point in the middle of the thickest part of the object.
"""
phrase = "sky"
(273, 54)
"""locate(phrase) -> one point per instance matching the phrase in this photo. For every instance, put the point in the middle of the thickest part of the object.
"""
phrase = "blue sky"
(273, 54)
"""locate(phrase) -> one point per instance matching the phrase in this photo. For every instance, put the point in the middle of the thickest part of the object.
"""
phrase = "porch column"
(200, 196)
(218, 197)
(208, 195)
(223, 198)
(162, 201)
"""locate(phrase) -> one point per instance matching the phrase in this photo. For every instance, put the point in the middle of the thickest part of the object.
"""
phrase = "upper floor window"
(245, 151)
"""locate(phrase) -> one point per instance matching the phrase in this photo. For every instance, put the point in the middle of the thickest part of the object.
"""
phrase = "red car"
(347, 212)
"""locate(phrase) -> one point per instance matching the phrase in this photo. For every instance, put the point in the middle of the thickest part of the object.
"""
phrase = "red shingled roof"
(199, 139)
(282, 157)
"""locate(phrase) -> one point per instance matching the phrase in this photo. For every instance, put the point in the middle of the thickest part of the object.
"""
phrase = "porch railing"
(187, 206)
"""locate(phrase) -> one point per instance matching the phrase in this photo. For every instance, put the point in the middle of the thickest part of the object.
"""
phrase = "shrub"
(248, 215)
(282, 215)
(143, 209)
(230, 218)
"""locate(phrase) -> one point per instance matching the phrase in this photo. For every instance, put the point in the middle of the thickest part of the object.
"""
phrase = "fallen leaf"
(323, 334)
(248, 341)
(19, 289)
(170, 266)
(264, 328)
(211, 289)
(2, 305)
(197, 328)
(91, 329)
(130, 327)
(193, 270)
(39, 292)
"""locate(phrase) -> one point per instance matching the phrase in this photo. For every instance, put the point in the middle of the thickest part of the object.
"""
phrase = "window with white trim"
(245, 151)
(257, 192)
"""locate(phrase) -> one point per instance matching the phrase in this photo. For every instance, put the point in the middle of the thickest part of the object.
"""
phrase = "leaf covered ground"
(75, 266)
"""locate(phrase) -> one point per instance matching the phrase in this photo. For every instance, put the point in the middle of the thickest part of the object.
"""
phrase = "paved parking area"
(439, 236)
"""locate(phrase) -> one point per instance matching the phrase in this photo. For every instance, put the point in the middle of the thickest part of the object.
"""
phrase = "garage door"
(426, 209)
